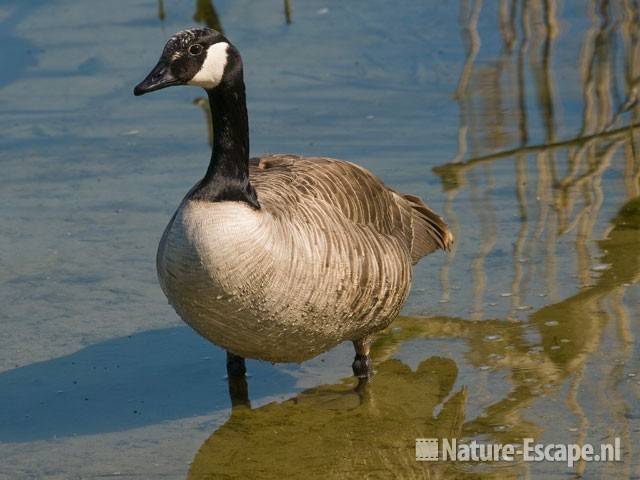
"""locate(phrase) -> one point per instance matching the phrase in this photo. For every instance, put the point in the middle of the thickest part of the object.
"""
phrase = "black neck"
(227, 178)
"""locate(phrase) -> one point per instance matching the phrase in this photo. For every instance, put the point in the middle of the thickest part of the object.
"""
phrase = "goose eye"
(195, 49)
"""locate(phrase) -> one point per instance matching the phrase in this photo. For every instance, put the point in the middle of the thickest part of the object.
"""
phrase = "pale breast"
(274, 288)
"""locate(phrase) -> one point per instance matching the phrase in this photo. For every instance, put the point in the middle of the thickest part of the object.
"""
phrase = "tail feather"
(430, 233)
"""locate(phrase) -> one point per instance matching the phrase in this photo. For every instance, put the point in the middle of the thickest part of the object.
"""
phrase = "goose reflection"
(340, 431)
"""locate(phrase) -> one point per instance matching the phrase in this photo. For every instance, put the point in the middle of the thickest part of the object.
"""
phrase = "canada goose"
(282, 257)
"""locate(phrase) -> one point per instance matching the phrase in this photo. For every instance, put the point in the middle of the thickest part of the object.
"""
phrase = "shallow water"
(516, 123)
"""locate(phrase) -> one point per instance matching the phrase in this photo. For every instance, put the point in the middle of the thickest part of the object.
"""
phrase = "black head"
(198, 56)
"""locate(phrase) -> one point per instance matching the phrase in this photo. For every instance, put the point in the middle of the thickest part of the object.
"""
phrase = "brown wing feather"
(430, 233)
(360, 197)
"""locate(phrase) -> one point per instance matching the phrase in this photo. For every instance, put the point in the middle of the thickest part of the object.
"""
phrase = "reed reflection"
(204, 105)
(287, 12)
(572, 181)
(569, 172)
(205, 13)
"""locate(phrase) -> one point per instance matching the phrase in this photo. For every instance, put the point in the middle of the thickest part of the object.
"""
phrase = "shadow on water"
(343, 431)
(121, 384)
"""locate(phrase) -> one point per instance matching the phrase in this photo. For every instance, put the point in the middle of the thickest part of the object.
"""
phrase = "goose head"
(200, 56)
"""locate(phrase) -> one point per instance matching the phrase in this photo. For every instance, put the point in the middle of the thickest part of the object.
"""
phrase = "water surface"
(516, 120)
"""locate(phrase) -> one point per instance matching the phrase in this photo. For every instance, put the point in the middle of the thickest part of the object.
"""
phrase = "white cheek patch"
(210, 74)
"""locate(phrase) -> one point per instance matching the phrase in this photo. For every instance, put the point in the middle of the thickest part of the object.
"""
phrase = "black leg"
(235, 365)
(236, 376)
(362, 367)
